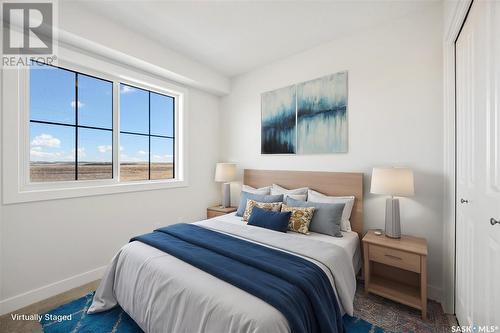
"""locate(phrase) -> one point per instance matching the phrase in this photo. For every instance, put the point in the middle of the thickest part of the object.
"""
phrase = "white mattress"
(349, 240)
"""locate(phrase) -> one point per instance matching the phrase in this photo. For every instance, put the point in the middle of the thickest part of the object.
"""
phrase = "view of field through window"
(146, 134)
(71, 129)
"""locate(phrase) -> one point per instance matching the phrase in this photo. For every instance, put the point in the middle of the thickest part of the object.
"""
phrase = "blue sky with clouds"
(53, 99)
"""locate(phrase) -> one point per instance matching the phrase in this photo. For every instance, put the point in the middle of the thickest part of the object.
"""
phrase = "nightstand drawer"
(395, 258)
(211, 213)
(219, 211)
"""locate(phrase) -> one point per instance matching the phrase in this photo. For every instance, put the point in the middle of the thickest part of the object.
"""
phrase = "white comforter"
(165, 294)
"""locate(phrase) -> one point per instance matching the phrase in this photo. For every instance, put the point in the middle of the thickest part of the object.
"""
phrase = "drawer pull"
(393, 257)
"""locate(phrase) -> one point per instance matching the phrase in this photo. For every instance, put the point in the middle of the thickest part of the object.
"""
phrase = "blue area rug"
(72, 317)
(357, 325)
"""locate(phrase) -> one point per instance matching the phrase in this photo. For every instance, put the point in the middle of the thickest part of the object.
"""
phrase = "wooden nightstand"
(397, 269)
(218, 211)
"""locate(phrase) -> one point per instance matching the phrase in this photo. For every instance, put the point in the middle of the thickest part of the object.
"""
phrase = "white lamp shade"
(393, 181)
(225, 172)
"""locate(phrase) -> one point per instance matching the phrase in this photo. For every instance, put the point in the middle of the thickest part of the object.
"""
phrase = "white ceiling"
(233, 37)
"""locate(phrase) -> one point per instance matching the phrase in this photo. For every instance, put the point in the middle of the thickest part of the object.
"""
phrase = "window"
(146, 134)
(72, 132)
(71, 125)
(64, 127)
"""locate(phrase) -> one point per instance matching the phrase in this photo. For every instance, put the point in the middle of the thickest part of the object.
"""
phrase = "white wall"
(49, 241)
(75, 17)
(48, 247)
(395, 117)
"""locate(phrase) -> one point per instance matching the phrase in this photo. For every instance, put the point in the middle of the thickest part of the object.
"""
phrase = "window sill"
(41, 192)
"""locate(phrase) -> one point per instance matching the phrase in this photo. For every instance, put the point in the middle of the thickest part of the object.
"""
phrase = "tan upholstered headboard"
(328, 183)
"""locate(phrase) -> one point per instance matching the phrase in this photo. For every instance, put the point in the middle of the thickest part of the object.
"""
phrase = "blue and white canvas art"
(278, 131)
(306, 118)
(322, 115)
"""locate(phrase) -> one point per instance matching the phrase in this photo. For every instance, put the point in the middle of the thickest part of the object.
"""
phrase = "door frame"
(455, 14)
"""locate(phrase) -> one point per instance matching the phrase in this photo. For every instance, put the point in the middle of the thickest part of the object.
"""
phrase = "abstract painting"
(278, 131)
(322, 115)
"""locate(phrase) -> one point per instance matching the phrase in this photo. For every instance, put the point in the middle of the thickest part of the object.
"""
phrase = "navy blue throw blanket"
(296, 287)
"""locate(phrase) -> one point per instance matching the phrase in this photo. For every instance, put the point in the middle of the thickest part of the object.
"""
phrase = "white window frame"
(16, 124)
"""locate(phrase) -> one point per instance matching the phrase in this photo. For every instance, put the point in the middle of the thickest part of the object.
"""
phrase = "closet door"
(478, 167)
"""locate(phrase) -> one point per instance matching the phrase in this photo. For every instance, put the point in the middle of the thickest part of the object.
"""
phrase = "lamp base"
(226, 195)
(392, 221)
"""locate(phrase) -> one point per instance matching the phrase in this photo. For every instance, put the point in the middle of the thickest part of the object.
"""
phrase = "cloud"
(104, 148)
(141, 152)
(80, 104)
(130, 159)
(37, 154)
(126, 89)
(46, 140)
(122, 148)
(81, 152)
(162, 158)
(43, 155)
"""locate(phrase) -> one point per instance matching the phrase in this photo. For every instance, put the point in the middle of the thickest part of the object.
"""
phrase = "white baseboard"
(36, 295)
(434, 293)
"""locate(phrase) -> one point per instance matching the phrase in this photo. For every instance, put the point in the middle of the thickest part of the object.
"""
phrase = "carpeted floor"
(376, 314)
(396, 317)
(73, 317)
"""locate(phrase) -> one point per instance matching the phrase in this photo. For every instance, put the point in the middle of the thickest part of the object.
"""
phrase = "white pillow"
(297, 193)
(263, 190)
(345, 225)
(299, 197)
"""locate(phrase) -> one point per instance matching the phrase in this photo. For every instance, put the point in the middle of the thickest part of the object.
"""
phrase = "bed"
(165, 294)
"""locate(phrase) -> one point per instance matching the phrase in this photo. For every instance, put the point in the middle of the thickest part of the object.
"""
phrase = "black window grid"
(77, 126)
(149, 135)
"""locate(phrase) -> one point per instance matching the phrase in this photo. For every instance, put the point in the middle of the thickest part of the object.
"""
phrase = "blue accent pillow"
(327, 216)
(277, 221)
(257, 197)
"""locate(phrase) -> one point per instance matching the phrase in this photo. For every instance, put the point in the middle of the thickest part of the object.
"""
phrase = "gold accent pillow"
(300, 219)
(272, 206)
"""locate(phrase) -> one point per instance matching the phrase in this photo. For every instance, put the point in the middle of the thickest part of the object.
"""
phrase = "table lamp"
(224, 173)
(393, 182)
